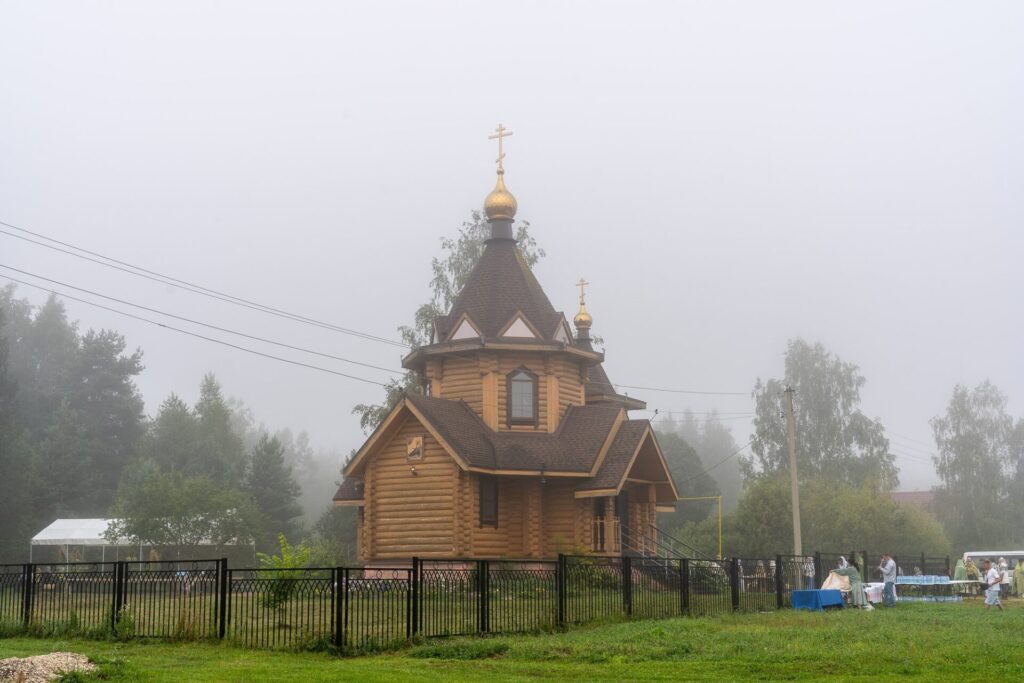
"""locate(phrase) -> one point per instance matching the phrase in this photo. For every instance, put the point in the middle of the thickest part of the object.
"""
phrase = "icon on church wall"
(414, 448)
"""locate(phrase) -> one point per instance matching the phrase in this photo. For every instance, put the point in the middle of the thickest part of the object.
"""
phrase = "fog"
(727, 176)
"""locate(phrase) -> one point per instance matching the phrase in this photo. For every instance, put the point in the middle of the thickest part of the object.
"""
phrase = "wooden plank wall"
(559, 516)
(408, 514)
(461, 380)
(480, 381)
(506, 539)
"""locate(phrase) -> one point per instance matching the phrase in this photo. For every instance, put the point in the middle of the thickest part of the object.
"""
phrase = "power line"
(699, 414)
(154, 276)
(910, 438)
(200, 336)
(667, 420)
(666, 411)
(686, 391)
(720, 462)
(908, 456)
(202, 324)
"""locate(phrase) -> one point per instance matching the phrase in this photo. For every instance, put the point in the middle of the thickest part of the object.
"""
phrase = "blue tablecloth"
(816, 599)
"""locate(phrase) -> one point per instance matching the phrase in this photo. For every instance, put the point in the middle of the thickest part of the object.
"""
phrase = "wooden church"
(519, 447)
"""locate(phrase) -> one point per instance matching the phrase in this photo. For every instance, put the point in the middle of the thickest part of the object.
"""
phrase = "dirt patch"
(42, 668)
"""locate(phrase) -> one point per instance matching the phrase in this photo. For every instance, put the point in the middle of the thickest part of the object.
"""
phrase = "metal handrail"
(674, 540)
(665, 560)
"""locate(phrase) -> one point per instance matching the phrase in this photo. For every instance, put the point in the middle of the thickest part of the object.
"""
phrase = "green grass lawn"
(926, 642)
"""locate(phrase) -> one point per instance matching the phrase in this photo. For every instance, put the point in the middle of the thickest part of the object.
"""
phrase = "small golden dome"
(583, 321)
(500, 205)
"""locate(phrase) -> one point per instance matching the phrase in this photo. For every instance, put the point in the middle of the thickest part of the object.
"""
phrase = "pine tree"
(273, 489)
(223, 453)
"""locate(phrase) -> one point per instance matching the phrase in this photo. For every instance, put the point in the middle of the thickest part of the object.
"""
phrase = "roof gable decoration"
(562, 334)
(465, 329)
(519, 328)
(382, 435)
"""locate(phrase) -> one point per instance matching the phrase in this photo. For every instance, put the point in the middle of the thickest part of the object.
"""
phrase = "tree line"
(847, 470)
(75, 442)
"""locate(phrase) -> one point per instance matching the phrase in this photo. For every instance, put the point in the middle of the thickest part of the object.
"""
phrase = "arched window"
(522, 397)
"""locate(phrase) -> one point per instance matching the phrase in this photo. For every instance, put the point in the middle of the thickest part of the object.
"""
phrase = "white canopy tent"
(76, 532)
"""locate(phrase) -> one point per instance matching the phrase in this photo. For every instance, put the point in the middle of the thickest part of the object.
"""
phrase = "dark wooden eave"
(415, 359)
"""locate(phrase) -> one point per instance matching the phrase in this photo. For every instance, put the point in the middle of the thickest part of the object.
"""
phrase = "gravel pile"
(42, 668)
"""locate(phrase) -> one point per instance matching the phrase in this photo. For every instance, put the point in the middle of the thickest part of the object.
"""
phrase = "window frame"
(520, 421)
(489, 482)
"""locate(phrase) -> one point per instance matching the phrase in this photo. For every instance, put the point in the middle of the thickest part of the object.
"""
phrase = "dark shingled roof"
(617, 460)
(500, 285)
(573, 447)
(350, 489)
(459, 426)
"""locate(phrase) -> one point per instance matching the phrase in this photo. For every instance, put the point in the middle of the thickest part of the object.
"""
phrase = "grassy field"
(926, 642)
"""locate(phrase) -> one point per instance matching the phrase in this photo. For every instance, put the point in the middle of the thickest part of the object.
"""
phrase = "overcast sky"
(727, 176)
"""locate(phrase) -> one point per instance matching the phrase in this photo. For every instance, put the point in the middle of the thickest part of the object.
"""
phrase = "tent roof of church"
(500, 286)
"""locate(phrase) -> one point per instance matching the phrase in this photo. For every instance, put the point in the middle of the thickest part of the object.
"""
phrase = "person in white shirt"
(992, 581)
(1004, 575)
(888, 569)
(808, 569)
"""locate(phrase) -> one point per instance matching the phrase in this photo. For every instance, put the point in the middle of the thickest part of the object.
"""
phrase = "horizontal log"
(394, 506)
(439, 538)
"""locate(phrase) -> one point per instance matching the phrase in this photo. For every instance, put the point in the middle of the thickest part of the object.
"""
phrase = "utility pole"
(794, 487)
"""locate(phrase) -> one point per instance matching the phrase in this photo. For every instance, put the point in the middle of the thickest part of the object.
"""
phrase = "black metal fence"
(867, 564)
(377, 607)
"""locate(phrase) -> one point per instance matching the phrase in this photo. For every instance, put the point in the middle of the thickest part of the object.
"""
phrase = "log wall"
(480, 380)
(408, 514)
(559, 516)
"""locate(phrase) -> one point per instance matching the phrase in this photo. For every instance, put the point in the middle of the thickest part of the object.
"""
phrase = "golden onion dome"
(583, 321)
(500, 205)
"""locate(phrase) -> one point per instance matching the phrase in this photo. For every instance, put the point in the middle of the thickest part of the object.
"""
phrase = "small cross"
(501, 132)
(583, 295)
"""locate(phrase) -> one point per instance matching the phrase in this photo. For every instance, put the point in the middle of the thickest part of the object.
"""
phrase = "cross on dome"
(583, 321)
(500, 205)
(500, 133)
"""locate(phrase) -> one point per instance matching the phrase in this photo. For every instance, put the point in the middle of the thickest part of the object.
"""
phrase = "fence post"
(627, 585)
(118, 595)
(122, 598)
(415, 595)
(684, 585)
(483, 571)
(924, 567)
(780, 583)
(818, 580)
(734, 582)
(336, 603)
(560, 589)
(114, 595)
(345, 576)
(28, 584)
(948, 572)
(222, 613)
